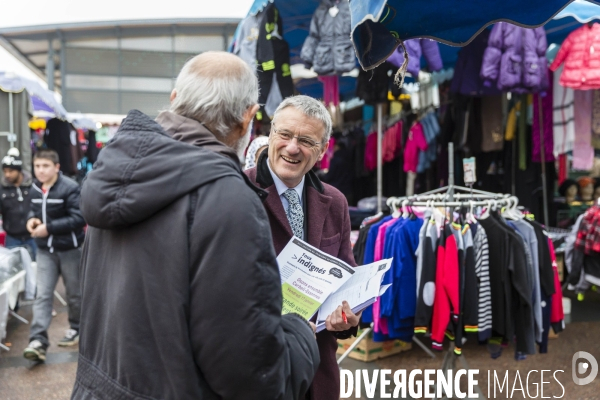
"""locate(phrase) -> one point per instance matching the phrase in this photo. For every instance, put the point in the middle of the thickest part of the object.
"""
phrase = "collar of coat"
(197, 134)
(264, 178)
(193, 132)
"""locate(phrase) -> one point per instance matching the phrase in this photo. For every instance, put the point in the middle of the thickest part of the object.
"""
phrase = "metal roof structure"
(114, 66)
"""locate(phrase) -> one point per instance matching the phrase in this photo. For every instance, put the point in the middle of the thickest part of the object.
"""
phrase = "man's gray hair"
(217, 90)
(310, 107)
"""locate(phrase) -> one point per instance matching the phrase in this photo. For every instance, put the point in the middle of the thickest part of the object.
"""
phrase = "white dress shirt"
(282, 187)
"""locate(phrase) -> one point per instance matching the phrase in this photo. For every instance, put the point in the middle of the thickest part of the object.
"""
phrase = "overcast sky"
(42, 12)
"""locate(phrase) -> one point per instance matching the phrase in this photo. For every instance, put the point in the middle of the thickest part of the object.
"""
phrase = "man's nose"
(292, 146)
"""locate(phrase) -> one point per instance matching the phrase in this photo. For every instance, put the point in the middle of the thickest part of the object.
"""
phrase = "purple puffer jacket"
(416, 47)
(515, 59)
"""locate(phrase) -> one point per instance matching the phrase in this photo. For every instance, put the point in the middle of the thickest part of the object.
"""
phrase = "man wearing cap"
(15, 202)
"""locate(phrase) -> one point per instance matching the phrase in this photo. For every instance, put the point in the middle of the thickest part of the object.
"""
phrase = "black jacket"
(59, 210)
(15, 203)
(181, 293)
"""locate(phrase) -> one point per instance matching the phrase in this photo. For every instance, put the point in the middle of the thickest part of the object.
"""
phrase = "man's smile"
(291, 161)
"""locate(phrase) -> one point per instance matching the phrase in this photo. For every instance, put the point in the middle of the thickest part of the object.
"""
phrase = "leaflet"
(308, 277)
(360, 291)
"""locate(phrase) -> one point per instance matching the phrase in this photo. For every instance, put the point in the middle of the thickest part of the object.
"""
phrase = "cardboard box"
(368, 350)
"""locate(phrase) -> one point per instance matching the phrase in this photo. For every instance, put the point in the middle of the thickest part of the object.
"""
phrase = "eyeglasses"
(303, 141)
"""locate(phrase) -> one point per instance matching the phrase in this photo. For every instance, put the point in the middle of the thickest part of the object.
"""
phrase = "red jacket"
(328, 229)
(446, 301)
(581, 54)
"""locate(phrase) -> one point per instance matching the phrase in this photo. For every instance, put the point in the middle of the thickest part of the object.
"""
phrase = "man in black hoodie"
(15, 202)
(181, 289)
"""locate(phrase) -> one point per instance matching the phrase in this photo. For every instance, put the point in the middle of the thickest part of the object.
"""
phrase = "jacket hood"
(27, 180)
(193, 132)
(143, 169)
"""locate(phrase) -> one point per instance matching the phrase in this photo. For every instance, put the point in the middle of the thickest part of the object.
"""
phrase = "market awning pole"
(379, 155)
(543, 160)
(11, 119)
(451, 171)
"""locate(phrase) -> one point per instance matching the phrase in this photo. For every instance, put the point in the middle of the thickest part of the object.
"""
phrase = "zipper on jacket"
(74, 239)
(44, 199)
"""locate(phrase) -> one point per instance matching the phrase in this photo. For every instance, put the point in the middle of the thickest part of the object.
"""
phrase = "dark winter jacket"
(328, 48)
(515, 59)
(181, 293)
(466, 79)
(15, 204)
(58, 208)
(415, 48)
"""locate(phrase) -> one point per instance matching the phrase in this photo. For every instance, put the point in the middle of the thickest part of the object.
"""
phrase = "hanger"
(486, 213)
(471, 216)
(394, 205)
(405, 209)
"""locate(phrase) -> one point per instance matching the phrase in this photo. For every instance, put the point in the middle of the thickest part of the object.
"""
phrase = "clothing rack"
(444, 197)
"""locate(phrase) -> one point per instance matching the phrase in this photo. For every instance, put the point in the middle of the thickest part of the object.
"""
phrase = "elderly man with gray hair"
(300, 205)
(181, 294)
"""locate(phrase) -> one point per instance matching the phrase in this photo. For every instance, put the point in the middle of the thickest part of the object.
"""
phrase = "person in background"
(15, 203)
(181, 291)
(56, 223)
(299, 204)
(340, 174)
(255, 149)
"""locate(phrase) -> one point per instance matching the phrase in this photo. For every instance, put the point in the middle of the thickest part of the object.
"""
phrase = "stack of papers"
(314, 281)
(360, 291)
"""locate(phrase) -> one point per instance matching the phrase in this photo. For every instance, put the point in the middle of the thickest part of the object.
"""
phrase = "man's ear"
(323, 151)
(173, 95)
(248, 117)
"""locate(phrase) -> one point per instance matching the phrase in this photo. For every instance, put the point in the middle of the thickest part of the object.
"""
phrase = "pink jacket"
(581, 54)
(414, 144)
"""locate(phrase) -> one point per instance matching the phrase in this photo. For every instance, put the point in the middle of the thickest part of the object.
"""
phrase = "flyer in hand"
(312, 280)
(308, 277)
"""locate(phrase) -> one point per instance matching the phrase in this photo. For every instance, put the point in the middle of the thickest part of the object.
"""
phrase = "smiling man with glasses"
(299, 204)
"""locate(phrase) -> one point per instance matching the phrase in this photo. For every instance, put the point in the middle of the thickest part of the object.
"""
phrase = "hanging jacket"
(580, 52)
(415, 144)
(482, 266)
(328, 48)
(547, 127)
(372, 86)
(515, 59)
(272, 62)
(426, 276)
(466, 79)
(247, 40)
(415, 48)
(446, 304)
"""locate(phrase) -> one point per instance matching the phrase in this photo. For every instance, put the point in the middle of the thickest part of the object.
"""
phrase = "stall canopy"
(577, 13)
(378, 26)
(42, 100)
